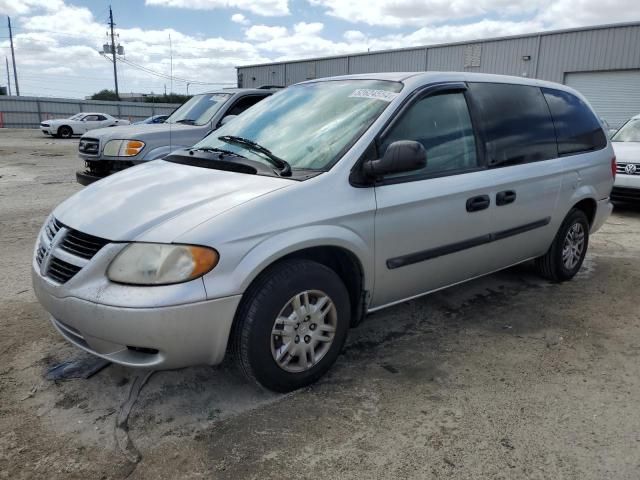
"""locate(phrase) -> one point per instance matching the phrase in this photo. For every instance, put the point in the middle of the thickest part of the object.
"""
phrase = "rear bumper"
(603, 210)
(157, 337)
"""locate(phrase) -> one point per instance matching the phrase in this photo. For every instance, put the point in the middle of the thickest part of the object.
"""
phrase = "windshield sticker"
(375, 94)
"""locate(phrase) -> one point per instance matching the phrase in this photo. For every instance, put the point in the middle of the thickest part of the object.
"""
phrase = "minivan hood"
(159, 201)
(627, 152)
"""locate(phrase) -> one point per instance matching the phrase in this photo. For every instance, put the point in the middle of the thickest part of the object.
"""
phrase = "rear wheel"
(291, 325)
(567, 252)
(65, 132)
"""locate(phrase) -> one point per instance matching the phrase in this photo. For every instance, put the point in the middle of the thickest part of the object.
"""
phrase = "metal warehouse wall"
(546, 55)
(28, 112)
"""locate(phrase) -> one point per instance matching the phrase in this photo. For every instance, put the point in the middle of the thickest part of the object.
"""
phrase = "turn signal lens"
(133, 147)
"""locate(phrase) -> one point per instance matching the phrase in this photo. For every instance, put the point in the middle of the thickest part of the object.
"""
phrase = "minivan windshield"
(630, 132)
(199, 109)
(309, 125)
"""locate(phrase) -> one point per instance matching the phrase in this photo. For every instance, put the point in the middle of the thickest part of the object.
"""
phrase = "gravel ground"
(503, 377)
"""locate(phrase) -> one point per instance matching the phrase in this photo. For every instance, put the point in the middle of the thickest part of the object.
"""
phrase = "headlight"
(123, 148)
(161, 264)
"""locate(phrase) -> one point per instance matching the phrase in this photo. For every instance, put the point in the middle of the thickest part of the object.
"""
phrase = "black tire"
(551, 265)
(65, 132)
(251, 339)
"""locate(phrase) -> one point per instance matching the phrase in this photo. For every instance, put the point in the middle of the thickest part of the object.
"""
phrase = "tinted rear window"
(516, 123)
(577, 128)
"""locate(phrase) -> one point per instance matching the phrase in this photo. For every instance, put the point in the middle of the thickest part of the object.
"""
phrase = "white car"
(626, 144)
(80, 123)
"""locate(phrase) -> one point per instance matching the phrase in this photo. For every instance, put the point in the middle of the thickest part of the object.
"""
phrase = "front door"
(432, 227)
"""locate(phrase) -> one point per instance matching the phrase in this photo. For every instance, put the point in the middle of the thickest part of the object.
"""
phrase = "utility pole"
(113, 51)
(13, 58)
(6, 61)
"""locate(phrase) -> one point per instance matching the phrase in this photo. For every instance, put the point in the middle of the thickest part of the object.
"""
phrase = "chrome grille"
(63, 251)
(622, 168)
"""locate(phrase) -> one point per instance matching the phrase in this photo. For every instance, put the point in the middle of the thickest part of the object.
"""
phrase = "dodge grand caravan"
(330, 199)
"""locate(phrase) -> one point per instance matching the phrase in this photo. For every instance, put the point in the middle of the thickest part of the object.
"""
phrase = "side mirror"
(401, 156)
(227, 119)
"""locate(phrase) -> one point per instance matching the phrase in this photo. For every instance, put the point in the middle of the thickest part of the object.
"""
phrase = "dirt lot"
(504, 377)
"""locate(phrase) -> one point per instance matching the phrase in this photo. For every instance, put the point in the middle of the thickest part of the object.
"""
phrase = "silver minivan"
(330, 199)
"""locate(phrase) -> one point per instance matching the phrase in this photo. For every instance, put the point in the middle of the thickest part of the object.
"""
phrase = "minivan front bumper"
(159, 337)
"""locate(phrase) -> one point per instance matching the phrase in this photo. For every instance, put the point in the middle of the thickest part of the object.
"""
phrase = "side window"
(516, 123)
(442, 124)
(90, 118)
(577, 128)
(244, 103)
(100, 117)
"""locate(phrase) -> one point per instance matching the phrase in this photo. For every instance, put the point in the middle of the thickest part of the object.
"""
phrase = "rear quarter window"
(515, 122)
(577, 128)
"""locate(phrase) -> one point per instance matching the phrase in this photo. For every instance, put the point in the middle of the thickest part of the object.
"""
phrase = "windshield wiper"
(188, 121)
(221, 151)
(285, 168)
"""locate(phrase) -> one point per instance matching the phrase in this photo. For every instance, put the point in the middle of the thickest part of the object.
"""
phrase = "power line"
(168, 77)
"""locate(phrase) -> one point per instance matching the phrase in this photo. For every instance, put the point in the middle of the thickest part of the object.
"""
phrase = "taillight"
(614, 166)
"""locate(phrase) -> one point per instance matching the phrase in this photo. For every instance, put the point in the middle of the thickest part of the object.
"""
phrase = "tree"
(105, 94)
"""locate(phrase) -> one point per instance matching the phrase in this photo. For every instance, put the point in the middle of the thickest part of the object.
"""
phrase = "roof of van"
(242, 90)
(425, 77)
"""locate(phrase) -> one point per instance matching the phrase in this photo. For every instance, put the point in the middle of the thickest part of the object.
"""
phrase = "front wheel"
(291, 325)
(65, 132)
(569, 247)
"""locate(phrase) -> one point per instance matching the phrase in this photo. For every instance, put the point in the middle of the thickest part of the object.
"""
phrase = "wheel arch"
(588, 206)
(344, 252)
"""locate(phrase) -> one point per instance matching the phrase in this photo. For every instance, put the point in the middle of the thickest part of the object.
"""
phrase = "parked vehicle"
(110, 150)
(79, 123)
(330, 199)
(626, 144)
(152, 120)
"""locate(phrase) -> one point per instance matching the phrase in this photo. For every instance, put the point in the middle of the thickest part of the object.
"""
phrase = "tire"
(556, 265)
(267, 302)
(65, 132)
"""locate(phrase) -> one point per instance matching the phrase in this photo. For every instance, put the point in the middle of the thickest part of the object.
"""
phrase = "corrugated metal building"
(602, 62)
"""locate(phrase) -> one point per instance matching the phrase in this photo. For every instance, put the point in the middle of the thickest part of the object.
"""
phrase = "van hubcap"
(573, 246)
(303, 331)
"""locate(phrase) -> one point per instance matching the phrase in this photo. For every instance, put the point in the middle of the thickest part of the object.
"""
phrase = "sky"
(57, 42)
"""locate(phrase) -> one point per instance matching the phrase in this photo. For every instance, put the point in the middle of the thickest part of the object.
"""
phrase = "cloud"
(240, 18)
(264, 33)
(21, 7)
(267, 8)
(429, 13)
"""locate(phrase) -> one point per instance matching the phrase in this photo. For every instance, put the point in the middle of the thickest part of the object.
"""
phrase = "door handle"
(505, 197)
(480, 202)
